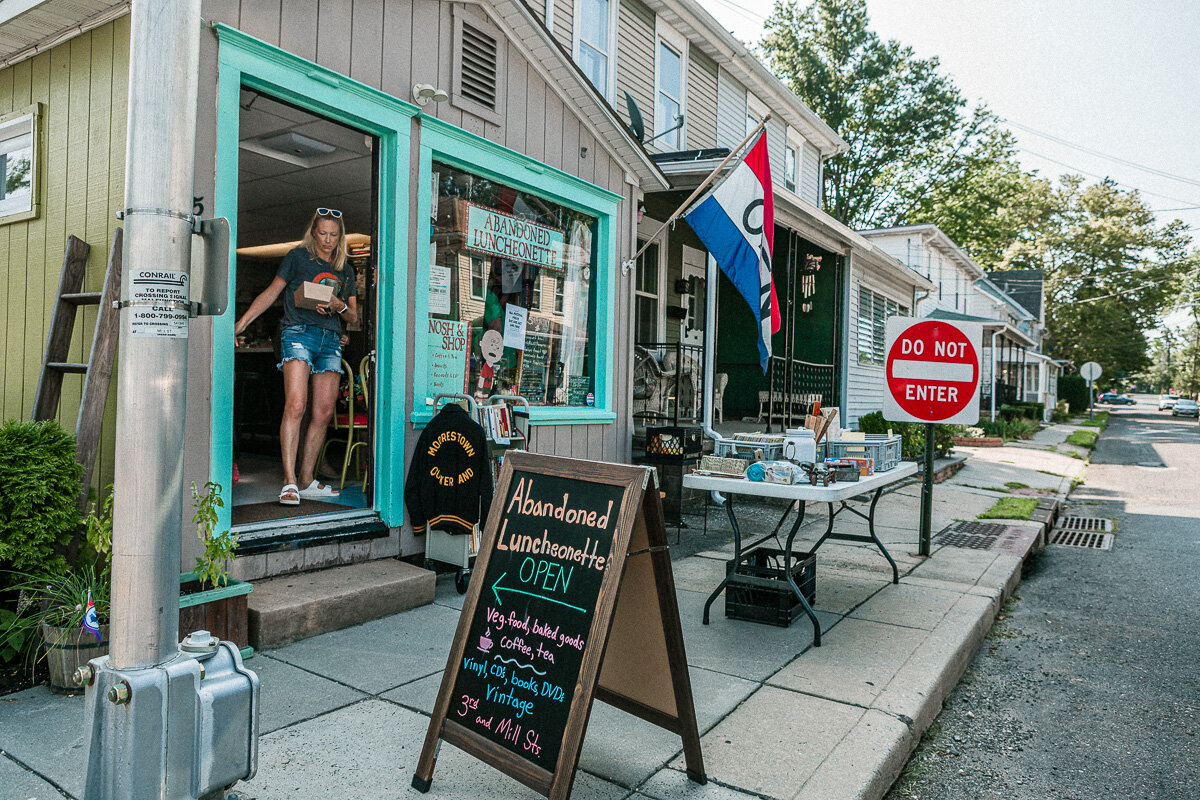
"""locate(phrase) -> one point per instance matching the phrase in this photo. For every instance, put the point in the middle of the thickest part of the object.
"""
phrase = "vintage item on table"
(674, 442)
(721, 465)
(800, 444)
(844, 470)
(759, 446)
(821, 422)
(310, 295)
(866, 466)
(781, 472)
(883, 448)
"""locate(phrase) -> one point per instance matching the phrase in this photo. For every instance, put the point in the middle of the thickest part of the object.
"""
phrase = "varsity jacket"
(449, 485)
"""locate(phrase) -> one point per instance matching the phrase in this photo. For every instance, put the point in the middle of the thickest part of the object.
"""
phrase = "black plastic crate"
(758, 591)
(674, 443)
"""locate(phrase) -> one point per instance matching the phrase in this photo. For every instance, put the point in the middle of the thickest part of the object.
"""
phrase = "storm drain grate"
(1073, 523)
(975, 535)
(1086, 539)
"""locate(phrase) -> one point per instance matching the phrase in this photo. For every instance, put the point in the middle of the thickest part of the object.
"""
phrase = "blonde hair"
(340, 250)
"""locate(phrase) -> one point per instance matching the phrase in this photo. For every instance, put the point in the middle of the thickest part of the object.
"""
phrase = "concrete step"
(292, 607)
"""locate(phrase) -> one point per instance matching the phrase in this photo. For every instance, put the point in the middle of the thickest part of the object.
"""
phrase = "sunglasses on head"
(329, 212)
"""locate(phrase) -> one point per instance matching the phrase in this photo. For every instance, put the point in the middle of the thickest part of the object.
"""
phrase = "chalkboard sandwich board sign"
(572, 599)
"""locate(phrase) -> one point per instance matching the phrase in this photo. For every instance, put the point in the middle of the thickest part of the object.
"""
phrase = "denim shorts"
(319, 347)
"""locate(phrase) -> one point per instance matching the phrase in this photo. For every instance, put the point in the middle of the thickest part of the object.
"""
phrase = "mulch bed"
(16, 676)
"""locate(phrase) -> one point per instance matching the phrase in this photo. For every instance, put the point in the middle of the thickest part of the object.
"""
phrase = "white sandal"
(289, 495)
(317, 490)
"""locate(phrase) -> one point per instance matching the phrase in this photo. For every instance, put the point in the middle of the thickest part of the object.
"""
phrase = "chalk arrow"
(497, 589)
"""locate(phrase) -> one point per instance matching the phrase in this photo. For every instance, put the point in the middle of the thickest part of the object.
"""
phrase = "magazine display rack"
(500, 420)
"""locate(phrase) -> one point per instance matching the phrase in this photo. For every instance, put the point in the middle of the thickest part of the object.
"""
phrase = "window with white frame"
(873, 312)
(756, 110)
(18, 165)
(646, 300)
(789, 167)
(478, 270)
(595, 21)
(670, 73)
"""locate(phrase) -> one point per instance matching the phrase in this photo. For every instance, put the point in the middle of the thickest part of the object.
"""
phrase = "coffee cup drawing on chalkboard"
(485, 642)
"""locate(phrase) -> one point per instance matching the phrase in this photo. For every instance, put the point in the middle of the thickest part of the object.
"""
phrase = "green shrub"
(1009, 429)
(39, 488)
(912, 435)
(1074, 389)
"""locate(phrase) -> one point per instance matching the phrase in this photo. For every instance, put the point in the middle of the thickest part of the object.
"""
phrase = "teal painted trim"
(544, 415)
(483, 156)
(464, 150)
(232, 589)
(245, 61)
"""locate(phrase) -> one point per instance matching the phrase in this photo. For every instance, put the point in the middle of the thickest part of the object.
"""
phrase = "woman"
(311, 345)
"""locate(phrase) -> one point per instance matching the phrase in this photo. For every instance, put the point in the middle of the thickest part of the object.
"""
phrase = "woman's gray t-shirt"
(297, 267)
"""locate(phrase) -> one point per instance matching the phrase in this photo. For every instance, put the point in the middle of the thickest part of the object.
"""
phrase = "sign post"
(932, 373)
(572, 600)
(1090, 372)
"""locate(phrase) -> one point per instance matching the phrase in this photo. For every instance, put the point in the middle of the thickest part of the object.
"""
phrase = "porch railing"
(668, 383)
(792, 386)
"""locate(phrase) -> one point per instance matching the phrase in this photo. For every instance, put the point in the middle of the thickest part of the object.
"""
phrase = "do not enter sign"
(932, 371)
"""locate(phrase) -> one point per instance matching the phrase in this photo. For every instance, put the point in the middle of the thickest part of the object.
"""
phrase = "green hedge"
(39, 487)
(912, 435)
(1073, 389)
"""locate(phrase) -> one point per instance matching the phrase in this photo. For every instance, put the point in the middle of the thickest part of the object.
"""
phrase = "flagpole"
(759, 128)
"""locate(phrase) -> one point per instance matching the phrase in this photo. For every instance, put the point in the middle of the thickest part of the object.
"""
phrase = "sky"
(1104, 88)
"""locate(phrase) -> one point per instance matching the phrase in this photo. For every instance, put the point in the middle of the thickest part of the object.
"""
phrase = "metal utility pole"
(166, 720)
(152, 368)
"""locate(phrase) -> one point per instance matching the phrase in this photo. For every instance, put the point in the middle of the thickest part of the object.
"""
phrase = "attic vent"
(479, 66)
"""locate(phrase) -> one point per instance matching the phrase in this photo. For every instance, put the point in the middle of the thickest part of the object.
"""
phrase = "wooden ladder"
(97, 371)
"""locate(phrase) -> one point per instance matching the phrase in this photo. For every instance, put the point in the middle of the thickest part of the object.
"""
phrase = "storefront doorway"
(290, 163)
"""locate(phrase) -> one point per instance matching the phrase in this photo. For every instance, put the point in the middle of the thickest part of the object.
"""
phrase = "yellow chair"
(350, 421)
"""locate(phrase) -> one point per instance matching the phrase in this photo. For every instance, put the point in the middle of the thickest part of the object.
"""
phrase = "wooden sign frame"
(634, 658)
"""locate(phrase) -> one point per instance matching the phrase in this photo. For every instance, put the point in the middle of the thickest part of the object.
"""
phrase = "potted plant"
(208, 598)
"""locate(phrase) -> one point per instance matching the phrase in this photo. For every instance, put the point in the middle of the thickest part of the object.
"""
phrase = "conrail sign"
(932, 371)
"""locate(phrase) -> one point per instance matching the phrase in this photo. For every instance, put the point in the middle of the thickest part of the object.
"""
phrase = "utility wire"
(1103, 177)
(1090, 151)
(742, 10)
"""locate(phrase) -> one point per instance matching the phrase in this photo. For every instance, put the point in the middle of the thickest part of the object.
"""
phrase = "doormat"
(262, 512)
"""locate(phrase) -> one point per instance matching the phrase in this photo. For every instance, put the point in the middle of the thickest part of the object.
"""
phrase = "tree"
(896, 111)
(1111, 270)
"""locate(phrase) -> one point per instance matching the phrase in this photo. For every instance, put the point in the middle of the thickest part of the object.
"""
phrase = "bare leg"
(324, 391)
(295, 400)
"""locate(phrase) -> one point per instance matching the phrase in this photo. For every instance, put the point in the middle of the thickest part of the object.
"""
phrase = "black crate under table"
(759, 592)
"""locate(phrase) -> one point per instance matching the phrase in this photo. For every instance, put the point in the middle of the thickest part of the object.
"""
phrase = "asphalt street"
(1089, 686)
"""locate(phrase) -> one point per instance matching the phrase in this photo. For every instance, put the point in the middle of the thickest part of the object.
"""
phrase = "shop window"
(668, 109)
(594, 23)
(873, 313)
(494, 333)
(18, 165)
(646, 298)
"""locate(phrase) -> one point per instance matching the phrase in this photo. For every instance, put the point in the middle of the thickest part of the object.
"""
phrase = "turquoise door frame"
(464, 150)
(245, 61)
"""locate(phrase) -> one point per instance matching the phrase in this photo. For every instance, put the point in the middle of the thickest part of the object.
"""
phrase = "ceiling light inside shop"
(294, 148)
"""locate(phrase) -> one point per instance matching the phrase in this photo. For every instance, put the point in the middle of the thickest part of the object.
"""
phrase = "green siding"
(81, 85)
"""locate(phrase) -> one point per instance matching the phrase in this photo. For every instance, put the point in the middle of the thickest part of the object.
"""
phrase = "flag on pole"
(91, 622)
(736, 222)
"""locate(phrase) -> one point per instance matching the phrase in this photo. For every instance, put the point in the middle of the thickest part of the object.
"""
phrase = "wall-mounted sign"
(447, 353)
(510, 237)
(572, 600)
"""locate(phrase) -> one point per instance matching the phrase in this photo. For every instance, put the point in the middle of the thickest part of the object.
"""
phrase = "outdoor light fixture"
(424, 92)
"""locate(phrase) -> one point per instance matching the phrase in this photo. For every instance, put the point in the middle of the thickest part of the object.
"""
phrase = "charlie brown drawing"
(491, 347)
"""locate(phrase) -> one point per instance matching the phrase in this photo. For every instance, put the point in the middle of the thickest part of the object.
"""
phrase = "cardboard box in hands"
(310, 295)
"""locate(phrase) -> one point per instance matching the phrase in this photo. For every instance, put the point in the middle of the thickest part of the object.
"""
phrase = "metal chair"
(351, 421)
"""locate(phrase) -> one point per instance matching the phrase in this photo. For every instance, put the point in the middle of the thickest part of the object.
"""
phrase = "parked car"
(1166, 401)
(1115, 399)
(1185, 408)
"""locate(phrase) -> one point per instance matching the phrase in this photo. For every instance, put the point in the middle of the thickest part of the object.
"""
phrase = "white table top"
(841, 490)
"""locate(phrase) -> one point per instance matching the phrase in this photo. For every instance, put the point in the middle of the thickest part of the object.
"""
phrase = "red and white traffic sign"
(932, 371)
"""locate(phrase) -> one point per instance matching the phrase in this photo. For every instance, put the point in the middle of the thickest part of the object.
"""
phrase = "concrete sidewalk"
(344, 714)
